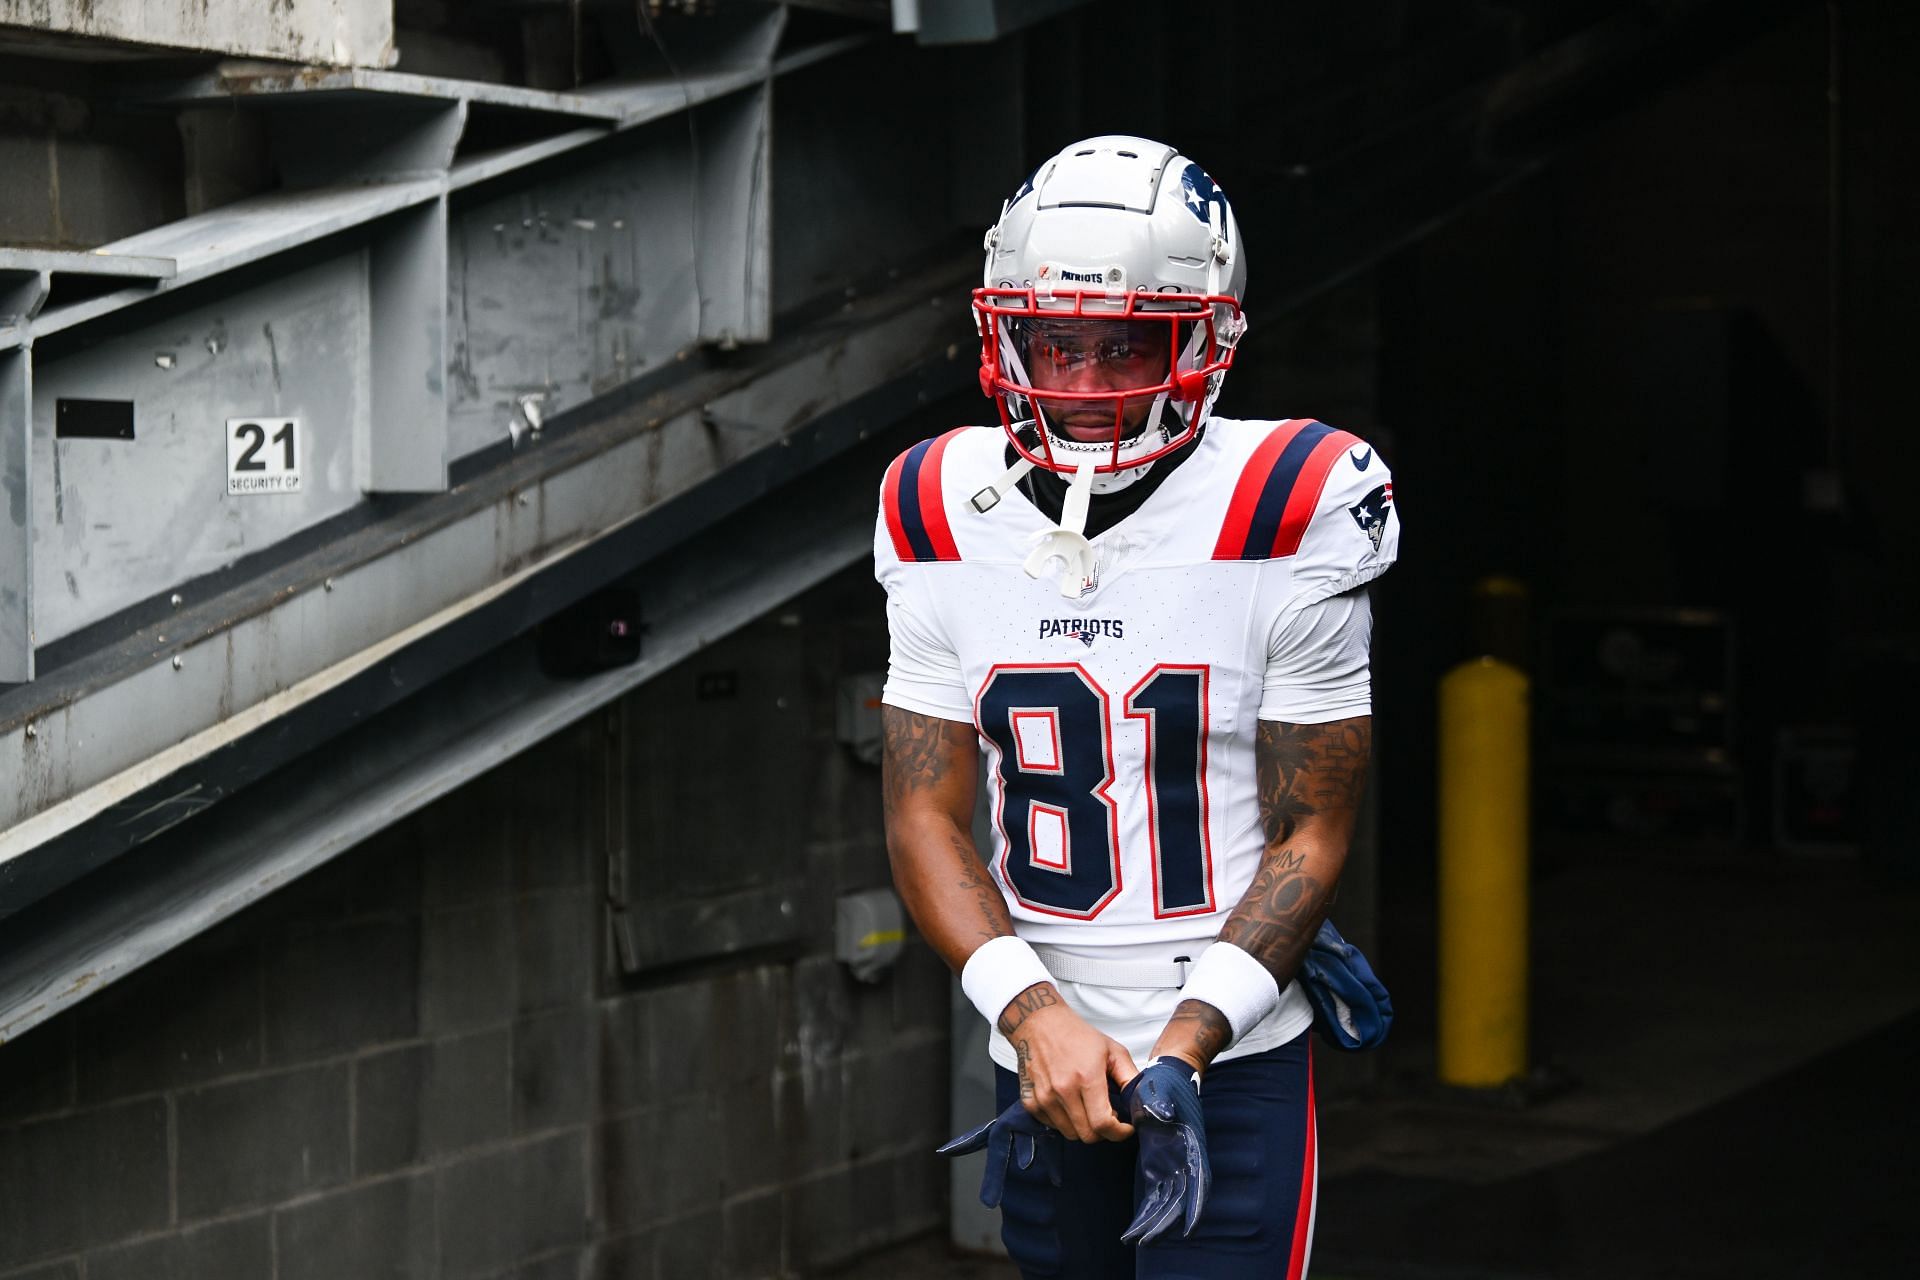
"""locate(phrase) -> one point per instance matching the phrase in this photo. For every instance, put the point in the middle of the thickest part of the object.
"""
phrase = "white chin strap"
(1067, 546)
(989, 498)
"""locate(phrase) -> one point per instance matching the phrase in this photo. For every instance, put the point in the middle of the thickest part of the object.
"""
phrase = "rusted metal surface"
(334, 32)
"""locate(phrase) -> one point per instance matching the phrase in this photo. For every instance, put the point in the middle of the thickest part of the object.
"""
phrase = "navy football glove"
(1017, 1135)
(1163, 1104)
(1351, 1009)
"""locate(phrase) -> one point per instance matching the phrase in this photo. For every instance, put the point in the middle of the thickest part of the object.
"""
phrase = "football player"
(1151, 624)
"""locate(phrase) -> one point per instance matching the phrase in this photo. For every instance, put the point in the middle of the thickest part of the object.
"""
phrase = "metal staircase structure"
(290, 478)
(525, 341)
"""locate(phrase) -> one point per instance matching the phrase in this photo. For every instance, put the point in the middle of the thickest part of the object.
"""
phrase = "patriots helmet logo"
(1026, 188)
(1197, 191)
(1084, 636)
(1370, 513)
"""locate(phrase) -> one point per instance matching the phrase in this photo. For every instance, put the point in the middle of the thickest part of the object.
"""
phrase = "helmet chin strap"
(1220, 255)
(1067, 545)
(989, 498)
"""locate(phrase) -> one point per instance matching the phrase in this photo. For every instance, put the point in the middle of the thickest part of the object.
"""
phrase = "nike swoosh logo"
(1362, 460)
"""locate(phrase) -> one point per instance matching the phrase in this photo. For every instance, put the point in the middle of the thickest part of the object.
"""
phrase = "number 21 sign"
(263, 456)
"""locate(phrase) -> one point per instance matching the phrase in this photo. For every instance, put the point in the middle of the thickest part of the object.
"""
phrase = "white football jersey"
(1118, 727)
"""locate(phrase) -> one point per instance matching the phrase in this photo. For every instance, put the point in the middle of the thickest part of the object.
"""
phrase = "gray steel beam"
(318, 31)
(719, 56)
(121, 519)
(621, 101)
(16, 521)
(403, 443)
(247, 231)
(365, 140)
(240, 234)
(258, 82)
(725, 497)
(564, 285)
(200, 678)
(734, 220)
(470, 724)
(23, 290)
(100, 262)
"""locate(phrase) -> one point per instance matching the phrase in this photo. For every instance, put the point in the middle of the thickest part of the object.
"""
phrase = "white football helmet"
(1122, 252)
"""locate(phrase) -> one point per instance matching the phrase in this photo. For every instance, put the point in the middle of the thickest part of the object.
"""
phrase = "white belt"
(1140, 974)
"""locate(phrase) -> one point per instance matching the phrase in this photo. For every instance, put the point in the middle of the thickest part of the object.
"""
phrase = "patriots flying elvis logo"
(1370, 513)
(1198, 191)
(1026, 188)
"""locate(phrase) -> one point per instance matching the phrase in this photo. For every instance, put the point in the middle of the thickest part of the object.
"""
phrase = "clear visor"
(1127, 376)
(1059, 346)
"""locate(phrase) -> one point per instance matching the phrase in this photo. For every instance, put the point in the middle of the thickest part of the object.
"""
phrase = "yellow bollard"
(1483, 874)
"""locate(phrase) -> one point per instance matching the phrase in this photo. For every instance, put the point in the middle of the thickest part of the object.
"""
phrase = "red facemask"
(1094, 361)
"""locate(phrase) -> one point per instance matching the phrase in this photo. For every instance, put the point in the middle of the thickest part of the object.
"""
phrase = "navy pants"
(1258, 1223)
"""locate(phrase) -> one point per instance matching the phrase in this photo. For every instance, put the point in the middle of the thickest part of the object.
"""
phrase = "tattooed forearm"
(1310, 780)
(973, 881)
(928, 770)
(1025, 1005)
(1279, 912)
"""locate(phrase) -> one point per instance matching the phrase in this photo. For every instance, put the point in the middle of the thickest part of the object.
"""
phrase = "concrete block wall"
(418, 1061)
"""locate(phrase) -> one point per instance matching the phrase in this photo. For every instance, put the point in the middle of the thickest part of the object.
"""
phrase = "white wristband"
(1234, 983)
(999, 971)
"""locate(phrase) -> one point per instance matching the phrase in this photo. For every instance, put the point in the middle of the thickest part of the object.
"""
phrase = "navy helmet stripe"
(1265, 526)
(911, 519)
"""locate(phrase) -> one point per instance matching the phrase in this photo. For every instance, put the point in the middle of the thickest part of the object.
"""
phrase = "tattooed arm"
(1310, 778)
(928, 772)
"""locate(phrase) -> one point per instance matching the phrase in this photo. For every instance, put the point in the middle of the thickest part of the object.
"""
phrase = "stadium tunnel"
(440, 649)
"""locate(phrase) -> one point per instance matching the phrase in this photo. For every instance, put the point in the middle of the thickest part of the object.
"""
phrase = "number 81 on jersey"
(1052, 727)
